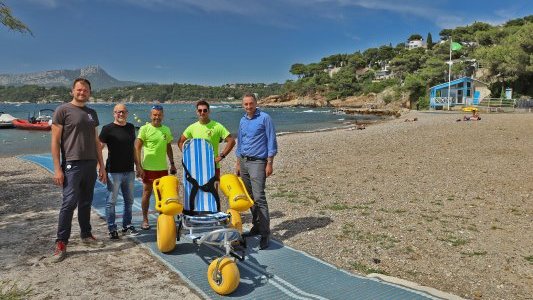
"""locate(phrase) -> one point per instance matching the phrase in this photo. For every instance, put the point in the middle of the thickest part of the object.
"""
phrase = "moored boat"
(25, 124)
(41, 121)
(6, 120)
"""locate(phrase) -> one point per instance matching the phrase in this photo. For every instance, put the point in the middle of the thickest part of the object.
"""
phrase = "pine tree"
(429, 41)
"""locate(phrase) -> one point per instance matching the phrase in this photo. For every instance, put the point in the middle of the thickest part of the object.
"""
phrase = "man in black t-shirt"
(119, 136)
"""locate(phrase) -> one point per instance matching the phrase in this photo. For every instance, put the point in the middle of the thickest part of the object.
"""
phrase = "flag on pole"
(456, 46)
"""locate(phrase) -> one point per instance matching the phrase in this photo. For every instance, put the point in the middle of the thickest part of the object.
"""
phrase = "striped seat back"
(199, 159)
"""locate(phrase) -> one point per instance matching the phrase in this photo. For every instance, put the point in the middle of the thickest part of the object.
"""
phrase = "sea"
(177, 116)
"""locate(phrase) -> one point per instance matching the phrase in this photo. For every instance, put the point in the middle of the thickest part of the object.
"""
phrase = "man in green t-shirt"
(209, 130)
(154, 139)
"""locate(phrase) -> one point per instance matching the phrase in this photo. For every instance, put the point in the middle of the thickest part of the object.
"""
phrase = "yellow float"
(166, 190)
(234, 189)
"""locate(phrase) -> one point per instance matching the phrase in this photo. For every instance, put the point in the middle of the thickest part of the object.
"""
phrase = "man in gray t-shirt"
(74, 139)
(78, 135)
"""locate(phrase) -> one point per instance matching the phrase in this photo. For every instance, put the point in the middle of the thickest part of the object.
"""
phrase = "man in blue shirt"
(256, 148)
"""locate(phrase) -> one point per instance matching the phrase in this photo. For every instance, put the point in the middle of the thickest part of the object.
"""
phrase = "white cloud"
(161, 67)
(239, 7)
(45, 3)
(353, 36)
(281, 13)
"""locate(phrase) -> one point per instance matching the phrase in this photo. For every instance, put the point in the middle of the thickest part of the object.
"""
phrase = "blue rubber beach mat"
(278, 272)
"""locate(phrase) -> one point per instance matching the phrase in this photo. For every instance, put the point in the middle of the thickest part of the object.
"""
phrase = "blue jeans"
(115, 181)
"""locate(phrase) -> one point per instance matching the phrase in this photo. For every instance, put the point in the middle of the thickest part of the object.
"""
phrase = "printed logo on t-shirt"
(209, 132)
(90, 117)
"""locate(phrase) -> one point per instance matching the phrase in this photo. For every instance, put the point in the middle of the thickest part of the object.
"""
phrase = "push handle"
(245, 190)
(156, 190)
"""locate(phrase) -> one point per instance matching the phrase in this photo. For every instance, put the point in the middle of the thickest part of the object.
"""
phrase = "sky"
(214, 42)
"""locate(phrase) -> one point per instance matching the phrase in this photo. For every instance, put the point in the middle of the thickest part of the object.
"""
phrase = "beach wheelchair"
(199, 214)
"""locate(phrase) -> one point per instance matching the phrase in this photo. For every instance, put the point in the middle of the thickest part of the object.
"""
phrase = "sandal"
(145, 226)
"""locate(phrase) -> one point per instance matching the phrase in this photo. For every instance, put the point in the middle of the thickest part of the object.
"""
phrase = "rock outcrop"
(387, 102)
(291, 100)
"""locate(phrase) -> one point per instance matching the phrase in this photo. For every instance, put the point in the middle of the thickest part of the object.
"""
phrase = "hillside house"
(413, 44)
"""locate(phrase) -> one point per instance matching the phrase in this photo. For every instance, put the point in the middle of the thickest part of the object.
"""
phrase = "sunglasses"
(157, 107)
(204, 110)
(118, 112)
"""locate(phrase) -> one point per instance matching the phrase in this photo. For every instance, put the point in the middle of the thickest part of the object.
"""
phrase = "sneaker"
(60, 253)
(113, 235)
(130, 230)
(92, 242)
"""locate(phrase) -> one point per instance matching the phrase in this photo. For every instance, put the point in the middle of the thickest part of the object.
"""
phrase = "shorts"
(150, 176)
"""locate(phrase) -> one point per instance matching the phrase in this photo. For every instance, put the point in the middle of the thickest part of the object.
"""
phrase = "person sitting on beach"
(209, 130)
(474, 117)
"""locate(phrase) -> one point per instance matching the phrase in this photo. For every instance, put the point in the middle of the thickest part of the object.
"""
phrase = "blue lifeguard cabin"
(464, 91)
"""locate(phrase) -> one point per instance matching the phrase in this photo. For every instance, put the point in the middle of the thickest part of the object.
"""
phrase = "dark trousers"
(78, 190)
(254, 177)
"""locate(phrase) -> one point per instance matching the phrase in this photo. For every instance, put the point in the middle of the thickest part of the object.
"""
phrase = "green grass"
(366, 269)
(350, 232)
(360, 206)
(297, 201)
(408, 250)
(429, 218)
(472, 227)
(529, 259)
(285, 194)
(314, 198)
(454, 241)
(475, 253)
(337, 206)
(437, 202)
(10, 291)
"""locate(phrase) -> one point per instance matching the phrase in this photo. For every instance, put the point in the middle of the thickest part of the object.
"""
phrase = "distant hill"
(97, 76)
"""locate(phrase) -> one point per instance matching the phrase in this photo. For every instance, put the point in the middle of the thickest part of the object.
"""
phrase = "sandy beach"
(445, 204)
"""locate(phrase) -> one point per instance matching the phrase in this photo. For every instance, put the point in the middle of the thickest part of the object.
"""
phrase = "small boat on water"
(6, 120)
(25, 124)
(44, 115)
(41, 121)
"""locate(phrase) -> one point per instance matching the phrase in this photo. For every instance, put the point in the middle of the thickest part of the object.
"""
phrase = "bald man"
(119, 137)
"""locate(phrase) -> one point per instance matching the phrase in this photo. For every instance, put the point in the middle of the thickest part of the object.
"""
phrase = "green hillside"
(499, 55)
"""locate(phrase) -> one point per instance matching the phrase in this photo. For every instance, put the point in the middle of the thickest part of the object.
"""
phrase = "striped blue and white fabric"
(199, 159)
